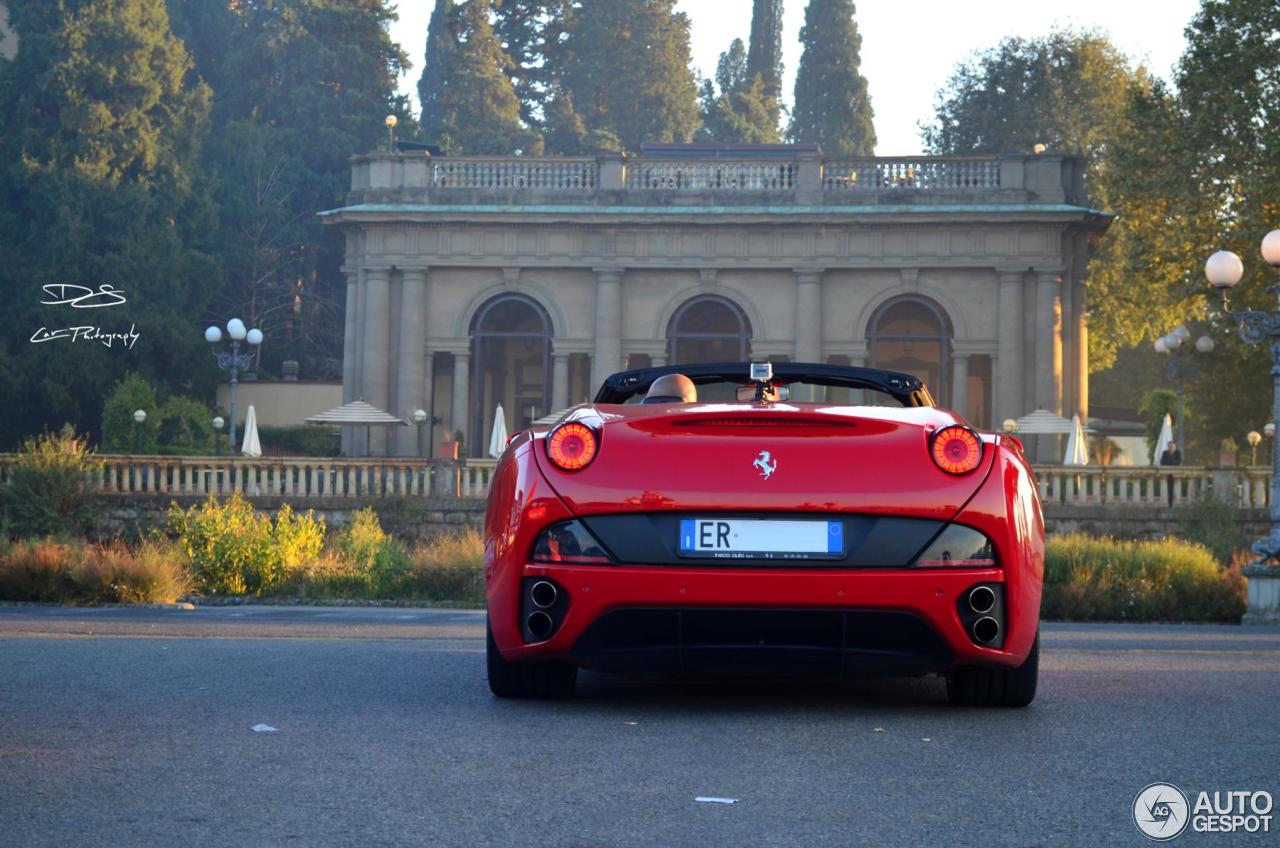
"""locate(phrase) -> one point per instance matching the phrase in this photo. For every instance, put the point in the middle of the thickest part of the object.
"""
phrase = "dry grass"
(153, 572)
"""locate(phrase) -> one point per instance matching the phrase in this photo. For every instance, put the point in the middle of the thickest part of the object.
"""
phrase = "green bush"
(184, 427)
(119, 430)
(234, 549)
(303, 440)
(48, 491)
(1096, 578)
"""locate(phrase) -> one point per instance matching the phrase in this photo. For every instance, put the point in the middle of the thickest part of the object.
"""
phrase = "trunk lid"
(805, 457)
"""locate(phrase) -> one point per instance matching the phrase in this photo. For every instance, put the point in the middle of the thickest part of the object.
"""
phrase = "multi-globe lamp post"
(233, 360)
(1224, 270)
(1172, 346)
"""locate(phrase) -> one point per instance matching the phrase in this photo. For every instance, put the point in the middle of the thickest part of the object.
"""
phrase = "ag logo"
(1160, 811)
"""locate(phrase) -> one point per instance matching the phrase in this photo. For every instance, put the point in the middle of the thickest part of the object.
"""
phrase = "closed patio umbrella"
(1077, 444)
(498, 438)
(251, 446)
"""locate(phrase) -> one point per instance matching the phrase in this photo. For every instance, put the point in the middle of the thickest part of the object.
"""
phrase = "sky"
(908, 50)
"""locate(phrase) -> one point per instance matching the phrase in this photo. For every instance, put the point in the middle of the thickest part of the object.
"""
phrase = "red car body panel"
(832, 460)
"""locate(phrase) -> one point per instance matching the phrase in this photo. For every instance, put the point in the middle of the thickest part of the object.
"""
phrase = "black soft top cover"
(906, 389)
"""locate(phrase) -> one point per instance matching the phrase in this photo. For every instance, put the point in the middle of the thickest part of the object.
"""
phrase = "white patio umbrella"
(1077, 444)
(1166, 436)
(498, 438)
(251, 445)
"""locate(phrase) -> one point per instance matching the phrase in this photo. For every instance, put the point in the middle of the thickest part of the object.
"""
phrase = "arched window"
(912, 334)
(708, 329)
(510, 365)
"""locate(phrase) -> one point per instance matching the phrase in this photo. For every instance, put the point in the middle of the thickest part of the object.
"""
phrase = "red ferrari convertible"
(758, 518)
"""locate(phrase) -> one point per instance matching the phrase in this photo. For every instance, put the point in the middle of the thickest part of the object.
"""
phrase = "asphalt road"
(122, 727)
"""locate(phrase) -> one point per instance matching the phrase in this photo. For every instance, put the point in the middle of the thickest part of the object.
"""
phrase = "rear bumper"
(883, 621)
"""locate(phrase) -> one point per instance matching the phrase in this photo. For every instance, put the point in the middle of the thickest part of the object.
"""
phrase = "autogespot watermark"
(1162, 811)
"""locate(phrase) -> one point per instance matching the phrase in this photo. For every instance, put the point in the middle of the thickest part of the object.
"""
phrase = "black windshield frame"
(904, 388)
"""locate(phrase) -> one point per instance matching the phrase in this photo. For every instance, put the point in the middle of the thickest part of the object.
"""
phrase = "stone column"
(1080, 351)
(410, 370)
(808, 326)
(1010, 360)
(460, 415)
(350, 354)
(960, 384)
(1049, 341)
(1066, 331)
(377, 350)
(559, 381)
(608, 348)
(428, 402)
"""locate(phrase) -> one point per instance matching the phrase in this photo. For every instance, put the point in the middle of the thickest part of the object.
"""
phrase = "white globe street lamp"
(1224, 271)
(233, 360)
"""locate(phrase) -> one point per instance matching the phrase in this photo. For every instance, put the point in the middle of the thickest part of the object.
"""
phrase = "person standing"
(1171, 456)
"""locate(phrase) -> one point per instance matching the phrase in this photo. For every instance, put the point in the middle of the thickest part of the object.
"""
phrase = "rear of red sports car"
(764, 537)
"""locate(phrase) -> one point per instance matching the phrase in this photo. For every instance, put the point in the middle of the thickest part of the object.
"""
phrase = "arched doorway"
(510, 365)
(708, 329)
(913, 335)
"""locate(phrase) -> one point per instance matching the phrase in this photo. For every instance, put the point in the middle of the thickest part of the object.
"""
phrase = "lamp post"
(1270, 432)
(1224, 270)
(420, 418)
(391, 133)
(233, 360)
(217, 435)
(1171, 346)
(140, 417)
(1009, 426)
(1254, 438)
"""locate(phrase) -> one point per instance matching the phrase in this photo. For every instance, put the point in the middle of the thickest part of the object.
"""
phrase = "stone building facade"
(524, 281)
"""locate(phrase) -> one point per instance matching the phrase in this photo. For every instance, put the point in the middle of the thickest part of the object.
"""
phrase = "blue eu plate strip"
(835, 537)
(686, 534)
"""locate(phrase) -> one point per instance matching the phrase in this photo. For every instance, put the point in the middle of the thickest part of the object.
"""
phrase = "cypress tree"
(832, 106)
(442, 40)
(764, 56)
(625, 63)
(530, 31)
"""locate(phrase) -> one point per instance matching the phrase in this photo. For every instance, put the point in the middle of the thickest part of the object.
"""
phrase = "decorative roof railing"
(804, 178)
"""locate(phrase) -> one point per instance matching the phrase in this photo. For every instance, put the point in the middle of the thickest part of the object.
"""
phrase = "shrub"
(448, 568)
(305, 440)
(119, 431)
(1094, 578)
(48, 492)
(155, 572)
(234, 549)
(1211, 523)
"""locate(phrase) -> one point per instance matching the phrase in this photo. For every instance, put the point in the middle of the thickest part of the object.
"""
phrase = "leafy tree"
(741, 112)
(100, 184)
(184, 426)
(832, 105)
(625, 64)
(277, 154)
(477, 100)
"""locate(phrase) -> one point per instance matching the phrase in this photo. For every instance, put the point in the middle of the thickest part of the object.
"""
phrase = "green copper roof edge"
(1054, 208)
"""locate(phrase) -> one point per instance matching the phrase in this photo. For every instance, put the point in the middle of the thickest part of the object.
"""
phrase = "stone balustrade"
(1089, 485)
(291, 477)
(799, 178)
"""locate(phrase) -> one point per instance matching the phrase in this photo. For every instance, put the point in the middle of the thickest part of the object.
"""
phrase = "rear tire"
(996, 687)
(528, 679)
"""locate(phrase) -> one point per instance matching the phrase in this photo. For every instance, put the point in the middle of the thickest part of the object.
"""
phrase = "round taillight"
(572, 446)
(956, 450)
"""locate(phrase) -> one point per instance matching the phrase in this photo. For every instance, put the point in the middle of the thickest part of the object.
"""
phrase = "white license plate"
(751, 538)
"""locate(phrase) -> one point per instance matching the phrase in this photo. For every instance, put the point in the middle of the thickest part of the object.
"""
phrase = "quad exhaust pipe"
(543, 594)
(982, 600)
(986, 630)
(540, 624)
